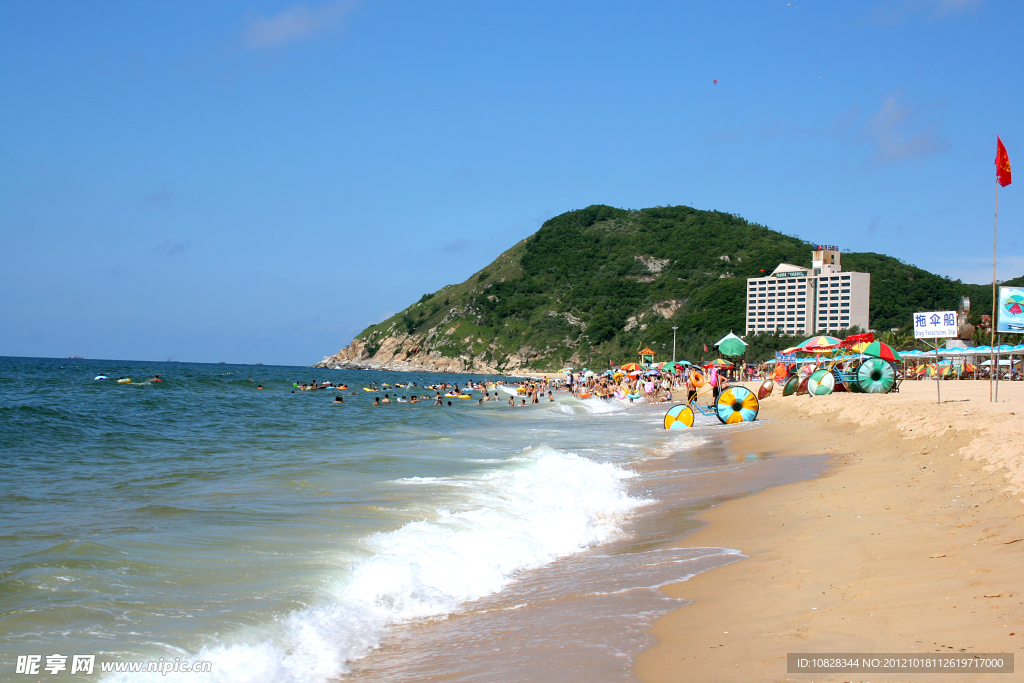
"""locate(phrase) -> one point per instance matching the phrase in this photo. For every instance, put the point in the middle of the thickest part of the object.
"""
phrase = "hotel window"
(846, 291)
(846, 317)
(801, 299)
(845, 298)
(845, 277)
(760, 289)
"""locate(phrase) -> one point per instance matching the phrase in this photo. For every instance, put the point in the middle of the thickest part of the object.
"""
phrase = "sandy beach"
(913, 541)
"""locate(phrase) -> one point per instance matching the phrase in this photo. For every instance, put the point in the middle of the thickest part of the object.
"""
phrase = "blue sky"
(258, 181)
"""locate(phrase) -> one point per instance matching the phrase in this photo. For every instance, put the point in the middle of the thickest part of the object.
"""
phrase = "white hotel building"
(798, 300)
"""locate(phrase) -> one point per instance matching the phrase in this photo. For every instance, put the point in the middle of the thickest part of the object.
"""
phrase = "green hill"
(592, 286)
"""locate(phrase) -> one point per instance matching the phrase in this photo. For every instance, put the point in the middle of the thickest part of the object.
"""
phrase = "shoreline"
(911, 541)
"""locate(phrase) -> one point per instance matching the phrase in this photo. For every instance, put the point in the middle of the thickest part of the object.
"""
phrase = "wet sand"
(913, 541)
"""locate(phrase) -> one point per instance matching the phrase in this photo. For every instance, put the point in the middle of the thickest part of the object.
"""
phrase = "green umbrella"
(731, 345)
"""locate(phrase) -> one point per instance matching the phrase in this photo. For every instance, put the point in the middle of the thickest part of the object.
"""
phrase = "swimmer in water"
(511, 401)
(386, 399)
(376, 401)
(338, 399)
(449, 404)
(259, 387)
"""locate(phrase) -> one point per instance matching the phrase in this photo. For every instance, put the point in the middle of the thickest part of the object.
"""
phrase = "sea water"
(282, 537)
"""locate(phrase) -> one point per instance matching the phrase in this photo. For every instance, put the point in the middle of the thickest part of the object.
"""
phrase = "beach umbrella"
(588, 373)
(731, 345)
(632, 367)
(882, 350)
(822, 340)
(719, 363)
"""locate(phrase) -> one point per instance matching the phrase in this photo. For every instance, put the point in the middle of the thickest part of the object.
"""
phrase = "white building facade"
(798, 300)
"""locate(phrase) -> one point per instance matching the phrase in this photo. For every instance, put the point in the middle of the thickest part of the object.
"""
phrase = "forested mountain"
(593, 286)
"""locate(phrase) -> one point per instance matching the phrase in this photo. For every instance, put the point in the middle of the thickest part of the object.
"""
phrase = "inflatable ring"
(736, 404)
(876, 376)
(587, 395)
(791, 385)
(765, 390)
(636, 395)
(821, 383)
(679, 417)
(697, 379)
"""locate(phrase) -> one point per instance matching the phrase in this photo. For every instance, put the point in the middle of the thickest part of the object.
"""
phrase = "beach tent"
(731, 345)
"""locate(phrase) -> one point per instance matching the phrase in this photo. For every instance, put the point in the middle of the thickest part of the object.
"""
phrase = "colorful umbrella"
(817, 341)
(882, 350)
(633, 367)
(672, 366)
(719, 363)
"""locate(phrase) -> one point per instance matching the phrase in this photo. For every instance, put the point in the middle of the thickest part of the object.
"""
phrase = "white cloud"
(296, 22)
(888, 129)
(978, 270)
(457, 247)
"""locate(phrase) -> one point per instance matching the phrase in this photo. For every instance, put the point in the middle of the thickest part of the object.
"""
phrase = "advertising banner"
(1010, 312)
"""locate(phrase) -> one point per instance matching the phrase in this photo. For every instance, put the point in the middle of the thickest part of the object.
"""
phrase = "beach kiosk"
(646, 356)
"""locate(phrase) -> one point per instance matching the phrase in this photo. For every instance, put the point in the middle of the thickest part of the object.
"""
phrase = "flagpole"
(992, 323)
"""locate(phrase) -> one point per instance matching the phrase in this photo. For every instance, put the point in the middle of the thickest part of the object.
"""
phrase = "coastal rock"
(404, 353)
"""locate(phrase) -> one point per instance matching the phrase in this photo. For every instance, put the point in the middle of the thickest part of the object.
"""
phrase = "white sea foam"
(549, 504)
(600, 406)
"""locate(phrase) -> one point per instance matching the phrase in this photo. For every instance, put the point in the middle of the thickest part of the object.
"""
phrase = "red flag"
(1002, 164)
(705, 348)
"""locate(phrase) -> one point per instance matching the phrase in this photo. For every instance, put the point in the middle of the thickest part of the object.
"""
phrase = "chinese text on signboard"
(935, 325)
